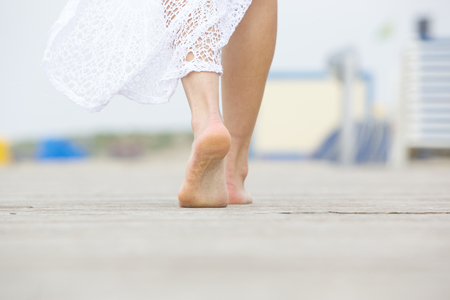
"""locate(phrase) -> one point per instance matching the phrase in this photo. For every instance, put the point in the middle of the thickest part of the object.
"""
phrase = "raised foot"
(204, 184)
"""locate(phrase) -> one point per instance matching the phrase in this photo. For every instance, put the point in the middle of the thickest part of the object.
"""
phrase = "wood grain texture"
(109, 230)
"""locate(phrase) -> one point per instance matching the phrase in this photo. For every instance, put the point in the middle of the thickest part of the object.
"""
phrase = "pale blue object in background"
(372, 143)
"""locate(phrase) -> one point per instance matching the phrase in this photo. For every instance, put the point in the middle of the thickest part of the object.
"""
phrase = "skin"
(218, 164)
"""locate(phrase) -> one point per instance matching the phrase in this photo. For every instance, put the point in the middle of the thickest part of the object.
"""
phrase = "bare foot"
(236, 171)
(204, 184)
(238, 195)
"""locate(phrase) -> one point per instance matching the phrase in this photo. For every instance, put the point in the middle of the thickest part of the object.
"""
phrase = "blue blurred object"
(373, 141)
(59, 149)
(282, 156)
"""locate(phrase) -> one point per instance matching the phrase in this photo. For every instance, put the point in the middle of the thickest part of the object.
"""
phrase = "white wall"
(308, 32)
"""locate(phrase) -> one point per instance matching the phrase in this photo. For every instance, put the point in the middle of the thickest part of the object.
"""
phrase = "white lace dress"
(136, 48)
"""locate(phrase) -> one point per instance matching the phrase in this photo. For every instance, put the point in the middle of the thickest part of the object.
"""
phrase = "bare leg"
(246, 61)
(204, 184)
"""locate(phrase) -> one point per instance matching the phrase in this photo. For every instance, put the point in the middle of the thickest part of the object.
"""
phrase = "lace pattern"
(136, 48)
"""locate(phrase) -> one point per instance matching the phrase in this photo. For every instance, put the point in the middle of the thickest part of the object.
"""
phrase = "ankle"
(200, 123)
(237, 159)
(236, 172)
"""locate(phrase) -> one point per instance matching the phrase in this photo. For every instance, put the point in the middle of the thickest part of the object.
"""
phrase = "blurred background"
(351, 82)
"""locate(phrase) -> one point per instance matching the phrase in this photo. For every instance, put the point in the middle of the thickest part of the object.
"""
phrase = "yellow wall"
(297, 115)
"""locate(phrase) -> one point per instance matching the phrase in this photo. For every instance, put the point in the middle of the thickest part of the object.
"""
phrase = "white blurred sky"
(309, 31)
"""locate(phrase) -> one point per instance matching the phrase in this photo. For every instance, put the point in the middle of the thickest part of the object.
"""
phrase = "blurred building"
(300, 110)
(423, 112)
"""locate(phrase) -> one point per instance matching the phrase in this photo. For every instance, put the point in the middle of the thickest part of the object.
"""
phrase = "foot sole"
(204, 184)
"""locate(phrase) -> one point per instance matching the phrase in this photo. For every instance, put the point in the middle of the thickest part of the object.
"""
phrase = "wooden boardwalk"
(109, 230)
